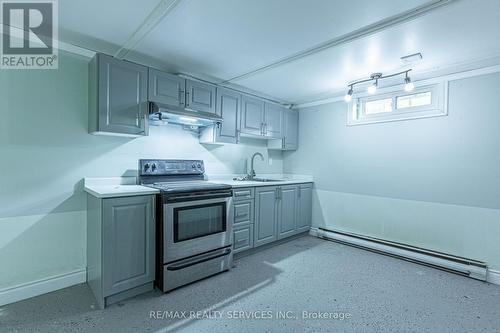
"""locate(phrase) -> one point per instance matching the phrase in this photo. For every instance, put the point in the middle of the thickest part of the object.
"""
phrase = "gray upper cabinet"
(118, 96)
(166, 88)
(273, 121)
(287, 210)
(252, 116)
(290, 134)
(291, 130)
(200, 96)
(228, 107)
(304, 207)
(266, 215)
(128, 243)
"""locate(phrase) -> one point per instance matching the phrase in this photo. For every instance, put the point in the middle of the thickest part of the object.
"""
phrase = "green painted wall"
(45, 153)
(429, 182)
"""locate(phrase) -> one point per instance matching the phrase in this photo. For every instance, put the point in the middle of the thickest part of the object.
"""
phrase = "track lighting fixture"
(374, 78)
(409, 86)
(348, 96)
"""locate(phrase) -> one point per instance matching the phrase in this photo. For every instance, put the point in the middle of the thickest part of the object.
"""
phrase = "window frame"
(438, 106)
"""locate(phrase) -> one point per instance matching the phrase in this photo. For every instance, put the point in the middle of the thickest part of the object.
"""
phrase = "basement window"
(397, 104)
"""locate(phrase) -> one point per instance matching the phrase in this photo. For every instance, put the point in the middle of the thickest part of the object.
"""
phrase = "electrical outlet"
(270, 161)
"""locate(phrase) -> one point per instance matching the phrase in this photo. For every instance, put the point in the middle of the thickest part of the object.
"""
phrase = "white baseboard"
(493, 276)
(42, 286)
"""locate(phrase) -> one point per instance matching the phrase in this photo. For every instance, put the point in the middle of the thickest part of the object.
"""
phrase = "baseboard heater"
(463, 266)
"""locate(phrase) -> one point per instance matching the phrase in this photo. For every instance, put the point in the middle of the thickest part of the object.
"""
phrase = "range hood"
(162, 113)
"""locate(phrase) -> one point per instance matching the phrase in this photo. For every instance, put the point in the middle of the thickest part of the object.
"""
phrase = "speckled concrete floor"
(371, 292)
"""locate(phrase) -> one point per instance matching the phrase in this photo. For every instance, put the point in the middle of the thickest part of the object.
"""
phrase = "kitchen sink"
(264, 180)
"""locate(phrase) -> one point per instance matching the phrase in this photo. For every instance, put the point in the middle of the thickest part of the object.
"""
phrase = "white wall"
(45, 152)
(429, 182)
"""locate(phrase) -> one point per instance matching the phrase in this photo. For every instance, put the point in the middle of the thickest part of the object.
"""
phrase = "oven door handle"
(177, 198)
(189, 263)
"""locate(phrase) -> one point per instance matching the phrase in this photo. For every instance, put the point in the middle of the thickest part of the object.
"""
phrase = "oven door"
(196, 226)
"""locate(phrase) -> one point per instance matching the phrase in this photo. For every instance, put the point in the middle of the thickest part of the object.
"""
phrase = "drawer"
(243, 238)
(243, 193)
(243, 212)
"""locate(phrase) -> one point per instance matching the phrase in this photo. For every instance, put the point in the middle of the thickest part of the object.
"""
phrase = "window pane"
(378, 106)
(411, 101)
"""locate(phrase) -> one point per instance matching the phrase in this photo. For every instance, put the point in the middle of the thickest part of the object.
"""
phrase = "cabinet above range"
(125, 98)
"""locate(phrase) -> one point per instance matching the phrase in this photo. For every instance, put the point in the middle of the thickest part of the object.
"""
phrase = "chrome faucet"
(251, 175)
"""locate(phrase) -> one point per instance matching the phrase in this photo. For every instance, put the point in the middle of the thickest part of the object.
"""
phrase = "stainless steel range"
(194, 221)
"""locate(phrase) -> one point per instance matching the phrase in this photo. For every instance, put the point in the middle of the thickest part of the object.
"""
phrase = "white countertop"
(116, 187)
(286, 179)
(127, 186)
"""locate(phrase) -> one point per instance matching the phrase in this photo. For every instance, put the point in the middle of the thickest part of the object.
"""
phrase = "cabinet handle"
(181, 92)
(283, 144)
(265, 128)
(146, 124)
(187, 98)
(238, 136)
(241, 214)
(243, 240)
(241, 194)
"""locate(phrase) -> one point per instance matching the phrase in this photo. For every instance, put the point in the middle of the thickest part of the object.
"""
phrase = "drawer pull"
(241, 194)
(241, 214)
(243, 240)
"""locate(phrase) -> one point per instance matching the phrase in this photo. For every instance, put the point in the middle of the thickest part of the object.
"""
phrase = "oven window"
(198, 221)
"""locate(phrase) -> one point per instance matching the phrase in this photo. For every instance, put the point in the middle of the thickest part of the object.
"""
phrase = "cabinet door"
(305, 207)
(122, 91)
(128, 243)
(273, 121)
(252, 115)
(287, 222)
(265, 215)
(166, 88)
(228, 107)
(291, 136)
(200, 96)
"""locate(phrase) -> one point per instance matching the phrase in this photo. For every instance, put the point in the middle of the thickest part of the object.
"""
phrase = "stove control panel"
(171, 167)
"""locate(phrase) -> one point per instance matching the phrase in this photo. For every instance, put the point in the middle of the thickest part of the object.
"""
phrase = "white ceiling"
(223, 39)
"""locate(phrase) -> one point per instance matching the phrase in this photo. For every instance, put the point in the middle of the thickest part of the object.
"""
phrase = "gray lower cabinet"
(120, 247)
(118, 97)
(287, 210)
(266, 215)
(243, 238)
(304, 206)
(228, 107)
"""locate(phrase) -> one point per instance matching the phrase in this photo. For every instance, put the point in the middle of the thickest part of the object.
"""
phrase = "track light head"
(372, 88)
(348, 96)
(409, 86)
